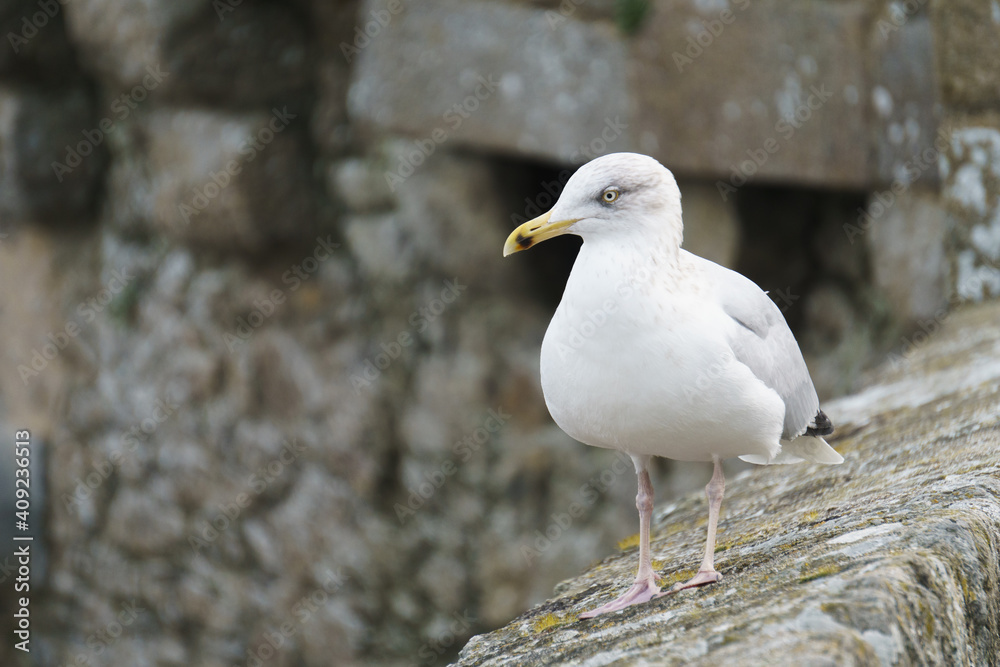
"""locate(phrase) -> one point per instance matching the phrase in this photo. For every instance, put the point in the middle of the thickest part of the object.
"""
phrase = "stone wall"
(891, 558)
(280, 379)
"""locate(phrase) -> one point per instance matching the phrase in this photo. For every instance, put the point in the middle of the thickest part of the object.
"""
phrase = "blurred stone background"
(282, 388)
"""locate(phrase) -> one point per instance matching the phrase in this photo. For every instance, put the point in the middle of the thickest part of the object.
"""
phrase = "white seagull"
(654, 351)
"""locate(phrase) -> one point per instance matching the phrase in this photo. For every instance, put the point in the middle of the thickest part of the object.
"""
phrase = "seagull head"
(621, 195)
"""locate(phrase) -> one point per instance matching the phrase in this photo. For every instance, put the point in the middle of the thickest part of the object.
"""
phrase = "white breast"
(613, 374)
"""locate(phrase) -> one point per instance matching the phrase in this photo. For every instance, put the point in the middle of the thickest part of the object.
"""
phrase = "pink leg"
(706, 573)
(644, 588)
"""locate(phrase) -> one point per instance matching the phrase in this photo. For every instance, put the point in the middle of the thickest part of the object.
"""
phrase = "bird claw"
(703, 578)
(641, 591)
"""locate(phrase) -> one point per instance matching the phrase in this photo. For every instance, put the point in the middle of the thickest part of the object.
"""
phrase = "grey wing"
(764, 343)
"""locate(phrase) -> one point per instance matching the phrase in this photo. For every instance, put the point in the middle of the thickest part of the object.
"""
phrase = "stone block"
(447, 223)
(219, 53)
(761, 90)
(711, 225)
(967, 40)
(971, 193)
(226, 180)
(907, 245)
(118, 39)
(507, 78)
(903, 96)
(252, 54)
(51, 154)
(35, 44)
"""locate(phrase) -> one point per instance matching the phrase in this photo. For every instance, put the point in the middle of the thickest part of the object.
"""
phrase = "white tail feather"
(804, 448)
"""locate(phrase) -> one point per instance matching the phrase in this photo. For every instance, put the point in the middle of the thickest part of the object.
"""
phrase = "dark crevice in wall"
(530, 189)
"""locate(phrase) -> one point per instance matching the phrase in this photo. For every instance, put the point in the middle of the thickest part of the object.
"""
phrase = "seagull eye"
(610, 196)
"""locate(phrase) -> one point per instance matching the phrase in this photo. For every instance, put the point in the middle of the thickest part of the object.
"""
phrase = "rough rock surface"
(892, 558)
(907, 246)
(972, 197)
(904, 106)
(495, 75)
(799, 110)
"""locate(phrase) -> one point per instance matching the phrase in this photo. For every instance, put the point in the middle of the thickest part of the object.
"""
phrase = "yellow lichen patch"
(629, 542)
(966, 593)
(672, 529)
(724, 546)
(928, 622)
(810, 517)
(546, 622)
(658, 565)
(820, 572)
(676, 577)
(739, 540)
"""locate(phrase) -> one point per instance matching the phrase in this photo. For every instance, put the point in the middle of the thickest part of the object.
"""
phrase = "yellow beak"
(535, 231)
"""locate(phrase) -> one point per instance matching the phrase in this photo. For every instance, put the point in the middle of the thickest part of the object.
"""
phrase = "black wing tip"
(821, 425)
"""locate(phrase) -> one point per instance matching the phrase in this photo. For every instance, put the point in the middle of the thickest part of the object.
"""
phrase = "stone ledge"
(891, 558)
(821, 92)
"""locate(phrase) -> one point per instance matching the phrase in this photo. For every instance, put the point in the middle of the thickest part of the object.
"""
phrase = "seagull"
(654, 351)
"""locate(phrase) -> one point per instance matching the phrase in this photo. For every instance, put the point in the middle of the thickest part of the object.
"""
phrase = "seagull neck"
(659, 253)
(619, 266)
